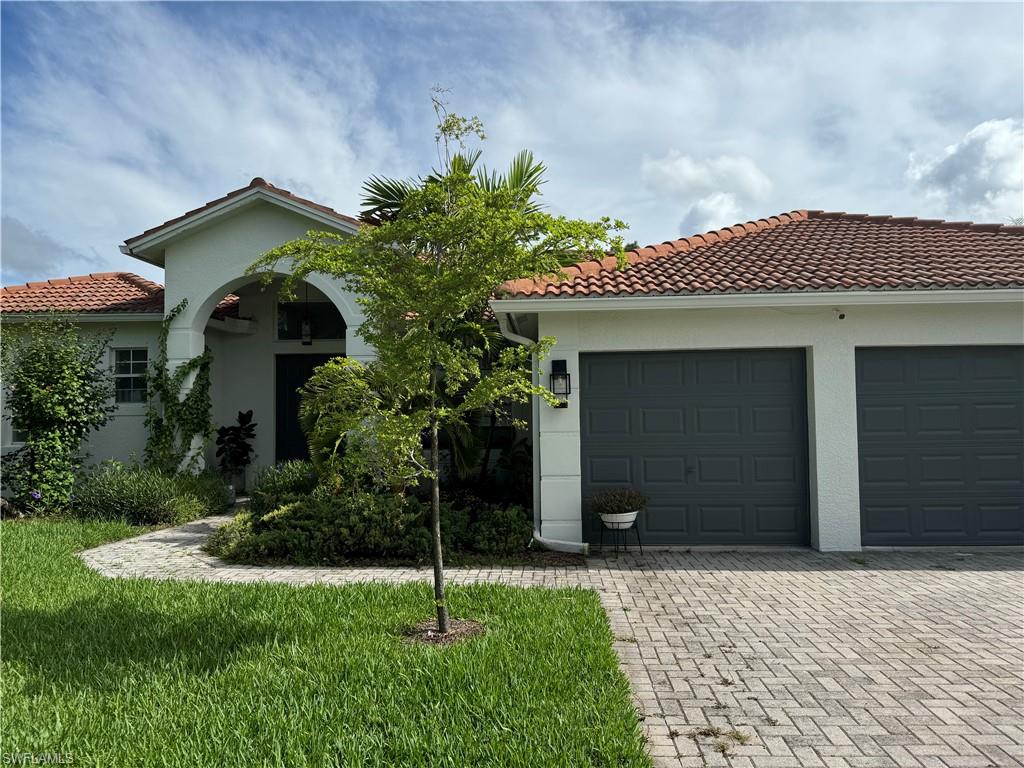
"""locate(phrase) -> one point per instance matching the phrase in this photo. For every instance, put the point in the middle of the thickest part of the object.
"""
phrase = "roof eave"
(86, 317)
(150, 248)
(749, 300)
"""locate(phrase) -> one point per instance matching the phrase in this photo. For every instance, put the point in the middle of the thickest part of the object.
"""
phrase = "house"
(263, 349)
(815, 379)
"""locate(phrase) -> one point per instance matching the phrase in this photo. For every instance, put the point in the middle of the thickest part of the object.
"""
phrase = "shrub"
(138, 495)
(209, 487)
(279, 484)
(501, 531)
(57, 391)
(227, 538)
(326, 528)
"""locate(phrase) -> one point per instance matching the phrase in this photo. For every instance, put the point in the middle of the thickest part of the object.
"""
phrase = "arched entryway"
(264, 347)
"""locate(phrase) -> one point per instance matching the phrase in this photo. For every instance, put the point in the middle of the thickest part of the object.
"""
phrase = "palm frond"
(383, 197)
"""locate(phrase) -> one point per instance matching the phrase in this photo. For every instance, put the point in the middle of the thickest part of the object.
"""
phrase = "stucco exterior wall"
(830, 345)
(242, 374)
(208, 263)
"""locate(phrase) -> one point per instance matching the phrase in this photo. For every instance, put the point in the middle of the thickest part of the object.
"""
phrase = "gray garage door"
(941, 433)
(718, 440)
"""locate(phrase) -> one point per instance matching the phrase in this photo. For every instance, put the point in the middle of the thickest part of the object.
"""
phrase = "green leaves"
(174, 421)
(425, 273)
(58, 388)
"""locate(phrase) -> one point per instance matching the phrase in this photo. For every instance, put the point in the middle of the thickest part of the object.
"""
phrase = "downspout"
(507, 326)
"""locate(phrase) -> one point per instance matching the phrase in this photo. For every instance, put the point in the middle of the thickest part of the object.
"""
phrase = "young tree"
(56, 390)
(438, 248)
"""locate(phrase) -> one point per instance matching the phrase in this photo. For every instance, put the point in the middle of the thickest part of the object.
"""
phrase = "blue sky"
(675, 117)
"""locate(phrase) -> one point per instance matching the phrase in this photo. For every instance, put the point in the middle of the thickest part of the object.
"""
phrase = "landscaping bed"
(298, 517)
(129, 672)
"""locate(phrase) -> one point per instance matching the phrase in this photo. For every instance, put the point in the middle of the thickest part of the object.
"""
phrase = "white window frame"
(131, 374)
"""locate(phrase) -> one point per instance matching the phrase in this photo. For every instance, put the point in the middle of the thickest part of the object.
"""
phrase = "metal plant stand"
(619, 537)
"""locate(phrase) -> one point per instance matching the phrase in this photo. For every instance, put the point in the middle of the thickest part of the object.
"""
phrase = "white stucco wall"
(243, 369)
(830, 345)
(207, 263)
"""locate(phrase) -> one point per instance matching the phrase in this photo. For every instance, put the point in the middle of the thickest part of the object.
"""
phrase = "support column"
(832, 443)
(558, 431)
(183, 344)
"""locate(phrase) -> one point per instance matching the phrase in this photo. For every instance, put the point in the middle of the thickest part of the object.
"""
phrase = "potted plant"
(618, 507)
(235, 450)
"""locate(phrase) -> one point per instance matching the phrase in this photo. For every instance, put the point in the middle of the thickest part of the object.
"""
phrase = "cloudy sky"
(675, 117)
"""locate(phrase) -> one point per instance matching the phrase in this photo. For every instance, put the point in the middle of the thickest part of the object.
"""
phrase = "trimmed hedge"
(320, 529)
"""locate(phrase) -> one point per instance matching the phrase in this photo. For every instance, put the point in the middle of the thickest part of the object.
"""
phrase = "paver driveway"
(881, 659)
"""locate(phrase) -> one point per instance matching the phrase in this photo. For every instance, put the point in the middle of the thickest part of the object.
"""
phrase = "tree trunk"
(435, 531)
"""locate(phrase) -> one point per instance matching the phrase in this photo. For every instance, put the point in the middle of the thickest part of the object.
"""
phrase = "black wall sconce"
(561, 384)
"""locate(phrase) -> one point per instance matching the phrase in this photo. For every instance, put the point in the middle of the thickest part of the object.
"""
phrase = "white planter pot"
(621, 520)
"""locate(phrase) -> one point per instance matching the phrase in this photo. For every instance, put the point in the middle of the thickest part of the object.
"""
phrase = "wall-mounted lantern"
(561, 384)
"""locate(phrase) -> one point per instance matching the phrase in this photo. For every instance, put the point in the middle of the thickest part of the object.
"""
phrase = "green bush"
(209, 487)
(138, 495)
(56, 390)
(280, 484)
(321, 528)
(501, 531)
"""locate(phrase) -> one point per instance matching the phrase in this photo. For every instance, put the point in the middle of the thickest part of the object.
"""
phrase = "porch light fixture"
(561, 384)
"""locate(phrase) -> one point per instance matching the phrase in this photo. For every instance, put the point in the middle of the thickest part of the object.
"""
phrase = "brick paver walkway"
(810, 659)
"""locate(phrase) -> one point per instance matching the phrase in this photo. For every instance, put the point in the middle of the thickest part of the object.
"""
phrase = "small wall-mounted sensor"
(839, 314)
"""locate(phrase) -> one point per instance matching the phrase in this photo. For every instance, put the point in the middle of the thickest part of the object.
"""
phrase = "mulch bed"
(458, 630)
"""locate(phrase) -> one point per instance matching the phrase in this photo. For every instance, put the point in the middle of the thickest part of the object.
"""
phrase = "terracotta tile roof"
(257, 183)
(804, 251)
(100, 292)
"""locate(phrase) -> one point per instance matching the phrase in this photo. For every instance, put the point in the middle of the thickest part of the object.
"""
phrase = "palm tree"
(383, 197)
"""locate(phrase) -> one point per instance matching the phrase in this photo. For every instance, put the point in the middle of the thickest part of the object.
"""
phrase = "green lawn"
(139, 673)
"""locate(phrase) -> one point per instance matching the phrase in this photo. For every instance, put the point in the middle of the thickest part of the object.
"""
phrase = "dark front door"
(941, 433)
(292, 371)
(717, 440)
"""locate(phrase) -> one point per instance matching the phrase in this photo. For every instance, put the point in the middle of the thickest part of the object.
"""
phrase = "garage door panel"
(659, 470)
(999, 518)
(944, 519)
(717, 440)
(778, 519)
(660, 372)
(718, 420)
(996, 419)
(608, 421)
(1003, 469)
(941, 454)
(777, 470)
(886, 520)
(717, 519)
(609, 470)
(662, 421)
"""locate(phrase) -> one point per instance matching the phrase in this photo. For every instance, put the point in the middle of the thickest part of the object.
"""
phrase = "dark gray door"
(718, 440)
(941, 431)
(291, 373)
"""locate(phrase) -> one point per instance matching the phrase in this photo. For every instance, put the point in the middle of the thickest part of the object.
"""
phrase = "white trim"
(87, 317)
(200, 218)
(805, 299)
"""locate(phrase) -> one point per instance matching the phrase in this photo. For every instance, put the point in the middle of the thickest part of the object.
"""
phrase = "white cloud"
(674, 117)
(982, 175)
(28, 254)
(713, 193)
(131, 117)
